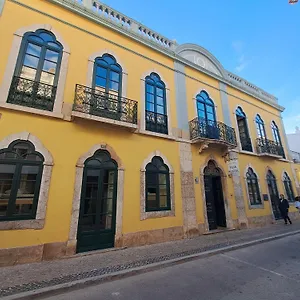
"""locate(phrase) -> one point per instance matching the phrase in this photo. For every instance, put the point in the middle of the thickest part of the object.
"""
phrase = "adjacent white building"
(294, 144)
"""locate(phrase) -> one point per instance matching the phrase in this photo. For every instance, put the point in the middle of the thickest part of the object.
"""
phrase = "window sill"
(257, 206)
(248, 153)
(155, 134)
(22, 224)
(157, 214)
(34, 111)
(286, 160)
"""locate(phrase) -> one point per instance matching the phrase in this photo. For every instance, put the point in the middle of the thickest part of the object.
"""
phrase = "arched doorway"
(215, 207)
(97, 216)
(274, 195)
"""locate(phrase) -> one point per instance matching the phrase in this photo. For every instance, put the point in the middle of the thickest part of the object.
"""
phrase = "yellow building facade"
(113, 135)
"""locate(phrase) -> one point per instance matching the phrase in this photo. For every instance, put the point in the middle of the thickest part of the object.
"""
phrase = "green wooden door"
(97, 217)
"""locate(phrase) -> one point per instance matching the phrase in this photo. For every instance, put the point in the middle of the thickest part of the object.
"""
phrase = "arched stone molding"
(195, 102)
(39, 221)
(72, 240)
(294, 183)
(201, 57)
(11, 65)
(259, 206)
(143, 101)
(223, 175)
(155, 214)
(90, 70)
(267, 169)
(238, 133)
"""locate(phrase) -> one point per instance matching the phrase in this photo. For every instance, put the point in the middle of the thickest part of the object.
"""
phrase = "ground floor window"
(21, 170)
(253, 188)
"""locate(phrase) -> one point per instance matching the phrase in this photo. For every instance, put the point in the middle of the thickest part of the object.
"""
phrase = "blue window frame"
(206, 108)
(275, 132)
(260, 127)
(40, 57)
(243, 130)
(156, 110)
(107, 75)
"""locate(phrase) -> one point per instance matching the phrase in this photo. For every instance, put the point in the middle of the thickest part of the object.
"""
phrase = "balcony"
(107, 108)
(156, 122)
(268, 148)
(212, 133)
(29, 93)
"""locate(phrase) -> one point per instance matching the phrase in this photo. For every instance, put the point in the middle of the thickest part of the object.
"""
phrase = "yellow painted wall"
(67, 141)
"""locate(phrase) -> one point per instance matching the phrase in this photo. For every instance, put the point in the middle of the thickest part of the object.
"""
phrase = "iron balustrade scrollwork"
(269, 147)
(29, 93)
(206, 129)
(156, 122)
(107, 105)
(246, 144)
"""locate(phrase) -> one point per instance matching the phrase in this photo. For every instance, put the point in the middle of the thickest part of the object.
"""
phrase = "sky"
(258, 40)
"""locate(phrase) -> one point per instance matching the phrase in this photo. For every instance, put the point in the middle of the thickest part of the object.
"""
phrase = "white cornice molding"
(159, 43)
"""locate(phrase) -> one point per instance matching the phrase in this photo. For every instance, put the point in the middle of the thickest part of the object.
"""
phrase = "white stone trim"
(238, 132)
(72, 240)
(229, 221)
(282, 180)
(143, 101)
(253, 206)
(155, 214)
(39, 221)
(12, 60)
(90, 69)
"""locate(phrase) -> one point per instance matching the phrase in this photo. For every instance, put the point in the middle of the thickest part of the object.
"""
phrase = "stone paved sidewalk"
(33, 276)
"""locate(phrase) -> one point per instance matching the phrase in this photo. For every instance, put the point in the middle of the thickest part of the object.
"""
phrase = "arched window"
(260, 127)
(253, 187)
(156, 107)
(20, 178)
(288, 187)
(157, 185)
(277, 139)
(206, 108)
(243, 130)
(107, 75)
(37, 71)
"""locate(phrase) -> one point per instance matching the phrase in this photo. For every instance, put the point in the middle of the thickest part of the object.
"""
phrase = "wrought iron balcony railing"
(265, 146)
(98, 103)
(205, 129)
(156, 122)
(246, 144)
(31, 93)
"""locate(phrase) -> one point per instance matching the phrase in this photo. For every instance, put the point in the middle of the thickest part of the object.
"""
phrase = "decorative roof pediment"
(201, 57)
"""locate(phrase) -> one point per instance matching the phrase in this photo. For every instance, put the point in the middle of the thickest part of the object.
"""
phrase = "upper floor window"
(275, 132)
(288, 187)
(243, 130)
(260, 127)
(156, 107)
(157, 185)
(37, 71)
(253, 187)
(206, 108)
(20, 179)
(107, 75)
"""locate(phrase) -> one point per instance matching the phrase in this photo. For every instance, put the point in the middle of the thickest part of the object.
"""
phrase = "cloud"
(242, 60)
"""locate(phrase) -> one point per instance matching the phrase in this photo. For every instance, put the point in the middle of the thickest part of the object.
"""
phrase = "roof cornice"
(102, 14)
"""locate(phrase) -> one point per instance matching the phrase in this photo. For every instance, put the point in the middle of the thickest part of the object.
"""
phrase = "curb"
(78, 284)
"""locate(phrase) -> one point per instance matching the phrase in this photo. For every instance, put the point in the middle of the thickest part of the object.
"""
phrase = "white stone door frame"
(72, 240)
(229, 221)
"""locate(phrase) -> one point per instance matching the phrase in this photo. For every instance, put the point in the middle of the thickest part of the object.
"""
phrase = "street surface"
(269, 271)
